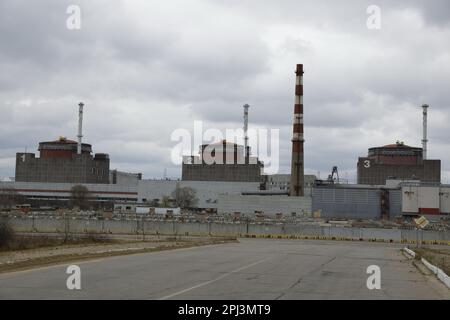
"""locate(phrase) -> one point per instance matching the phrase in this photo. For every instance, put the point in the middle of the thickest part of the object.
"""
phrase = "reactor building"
(397, 161)
(64, 161)
(222, 161)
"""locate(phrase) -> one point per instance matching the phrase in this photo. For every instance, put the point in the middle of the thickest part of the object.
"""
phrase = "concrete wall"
(269, 205)
(207, 191)
(222, 172)
(238, 229)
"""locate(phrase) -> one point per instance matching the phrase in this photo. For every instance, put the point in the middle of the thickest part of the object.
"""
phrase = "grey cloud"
(146, 68)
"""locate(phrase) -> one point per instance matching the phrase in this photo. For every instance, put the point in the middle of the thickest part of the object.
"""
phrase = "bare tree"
(80, 196)
(165, 202)
(185, 197)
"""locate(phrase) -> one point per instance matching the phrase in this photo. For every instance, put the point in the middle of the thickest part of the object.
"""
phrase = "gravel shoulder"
(31, 258)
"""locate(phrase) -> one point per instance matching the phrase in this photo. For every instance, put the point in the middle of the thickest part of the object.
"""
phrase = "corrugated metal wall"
(355, 203)
(395, 203)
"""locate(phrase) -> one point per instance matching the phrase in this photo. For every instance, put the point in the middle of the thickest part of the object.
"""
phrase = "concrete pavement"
(251, 269)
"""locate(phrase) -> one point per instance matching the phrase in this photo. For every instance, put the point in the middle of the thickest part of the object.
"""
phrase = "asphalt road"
(251, 269)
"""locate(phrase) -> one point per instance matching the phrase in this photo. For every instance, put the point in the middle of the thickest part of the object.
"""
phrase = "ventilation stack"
(425, 134)
(246, 147)
(80, 126)
(297, 167)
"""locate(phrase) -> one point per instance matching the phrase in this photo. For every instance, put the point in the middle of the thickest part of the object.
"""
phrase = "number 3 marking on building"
(366, 163)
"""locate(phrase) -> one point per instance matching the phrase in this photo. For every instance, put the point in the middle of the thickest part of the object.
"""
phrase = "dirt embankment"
(37, 251)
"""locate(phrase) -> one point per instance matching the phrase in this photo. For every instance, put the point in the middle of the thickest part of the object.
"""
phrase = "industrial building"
(64, 161)
(277, 202)
(393, 180)
(397, 161)
(222, 161)
(349, 201)
(146, 191)
(282, 182)
(58, 195)
(60, 162)
(124, 178)
(207, 192)
(268, 205)
(425, 198)
(396, 198)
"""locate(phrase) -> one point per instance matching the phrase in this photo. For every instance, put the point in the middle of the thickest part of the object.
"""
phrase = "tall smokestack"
(297, 167)
(425, 138)
(80, 126)
(246, 151)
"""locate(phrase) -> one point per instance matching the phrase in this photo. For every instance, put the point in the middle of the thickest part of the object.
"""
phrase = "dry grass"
(68, 253)
(28, 243)
(437, 257)
(10, 241)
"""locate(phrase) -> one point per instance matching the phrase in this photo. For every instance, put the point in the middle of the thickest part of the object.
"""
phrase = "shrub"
(6, 234)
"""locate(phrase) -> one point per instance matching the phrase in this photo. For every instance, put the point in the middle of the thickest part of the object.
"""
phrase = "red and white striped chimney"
(297, 167)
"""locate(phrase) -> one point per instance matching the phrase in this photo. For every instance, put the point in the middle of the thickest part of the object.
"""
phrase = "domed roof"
(64, 140)
(64, 144)
(221, 143)
(396, 146)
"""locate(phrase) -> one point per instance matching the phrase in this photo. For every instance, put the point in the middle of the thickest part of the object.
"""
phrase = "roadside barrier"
(441, 275)
(438, 272)
(409, 252)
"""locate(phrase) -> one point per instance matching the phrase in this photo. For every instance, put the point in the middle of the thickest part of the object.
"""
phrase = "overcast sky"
(145, 68)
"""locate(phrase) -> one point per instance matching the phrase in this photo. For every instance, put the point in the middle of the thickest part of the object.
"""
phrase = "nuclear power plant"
(224, 161)
(393, 180)
(64, 161)
(397, 161)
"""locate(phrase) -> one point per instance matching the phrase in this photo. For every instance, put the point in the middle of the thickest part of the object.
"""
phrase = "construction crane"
(334, 176)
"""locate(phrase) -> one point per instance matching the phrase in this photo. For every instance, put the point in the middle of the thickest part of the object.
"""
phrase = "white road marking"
(213, 280)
